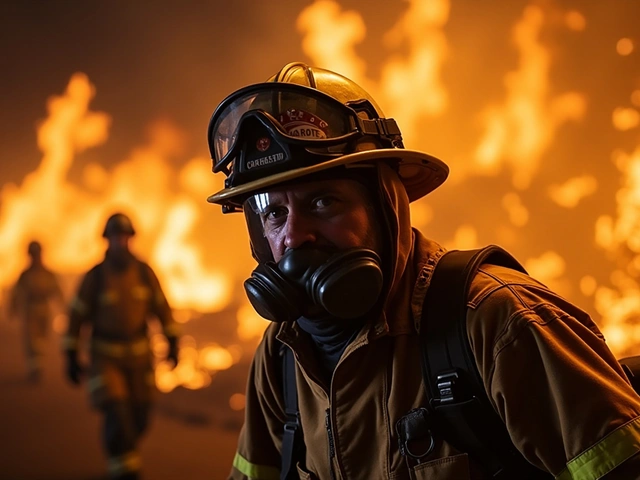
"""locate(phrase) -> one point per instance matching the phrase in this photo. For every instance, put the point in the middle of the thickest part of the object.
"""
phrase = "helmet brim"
(419, 172)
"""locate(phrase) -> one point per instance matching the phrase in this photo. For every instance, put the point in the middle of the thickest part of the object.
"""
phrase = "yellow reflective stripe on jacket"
(172, 329)
(128, 462)
(69, 343)
(607, 454)
(120, 349)
(108, 297)
(95, 383)
(255, 472)
(79, 306)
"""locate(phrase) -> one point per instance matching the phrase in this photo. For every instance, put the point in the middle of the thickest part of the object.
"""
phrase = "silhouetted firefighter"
(116, 299)
(30, 300)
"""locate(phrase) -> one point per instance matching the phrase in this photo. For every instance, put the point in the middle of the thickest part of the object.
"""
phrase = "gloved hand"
(74, 369)
(172, 352)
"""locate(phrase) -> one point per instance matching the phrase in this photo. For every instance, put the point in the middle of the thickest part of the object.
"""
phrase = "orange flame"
(68, 219)
(166, 206)
(179, 232)
(45, 200)
(620, 237)
(330, 39)
(570, 193)
(519, 131)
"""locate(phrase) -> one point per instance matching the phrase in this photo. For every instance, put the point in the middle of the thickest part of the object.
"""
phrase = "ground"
(49, 431)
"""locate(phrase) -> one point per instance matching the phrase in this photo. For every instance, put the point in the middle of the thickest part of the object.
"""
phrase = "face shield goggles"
(268, 128)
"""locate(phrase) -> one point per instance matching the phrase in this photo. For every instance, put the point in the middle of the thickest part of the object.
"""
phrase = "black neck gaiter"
(331, 336)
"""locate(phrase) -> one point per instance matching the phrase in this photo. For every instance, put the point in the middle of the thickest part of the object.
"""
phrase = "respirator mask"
(316, 282)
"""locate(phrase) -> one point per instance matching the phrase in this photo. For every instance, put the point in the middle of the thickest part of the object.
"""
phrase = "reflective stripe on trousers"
(120, 349)
(125, 463)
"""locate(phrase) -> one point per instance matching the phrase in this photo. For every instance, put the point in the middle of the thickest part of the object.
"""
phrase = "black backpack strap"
(145, 276)
(292, 439)
(463, 414)
(97, 273)
(631, 367)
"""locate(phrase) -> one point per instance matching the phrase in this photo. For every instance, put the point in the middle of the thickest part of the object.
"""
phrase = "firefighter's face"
(328, 213)
(119, 241)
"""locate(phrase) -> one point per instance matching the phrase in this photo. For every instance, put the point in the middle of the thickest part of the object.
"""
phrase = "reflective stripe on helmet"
(253, 471)
(607, 454)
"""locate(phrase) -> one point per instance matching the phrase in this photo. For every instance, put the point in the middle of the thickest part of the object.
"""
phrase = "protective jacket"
(33, 292)
(549, 374)
(31, 301)
(117, 303)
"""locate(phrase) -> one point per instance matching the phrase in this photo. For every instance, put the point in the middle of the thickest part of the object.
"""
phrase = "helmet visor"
(295, 113)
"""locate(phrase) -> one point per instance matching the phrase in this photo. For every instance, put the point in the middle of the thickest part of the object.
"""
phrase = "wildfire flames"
(201, 257)
(165, 205)
(519, 131)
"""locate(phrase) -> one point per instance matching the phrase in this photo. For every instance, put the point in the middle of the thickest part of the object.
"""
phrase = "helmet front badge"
(299, 123)
(263, 144)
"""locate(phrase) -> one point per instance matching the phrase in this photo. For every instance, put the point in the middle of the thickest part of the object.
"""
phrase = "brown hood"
(397, 318)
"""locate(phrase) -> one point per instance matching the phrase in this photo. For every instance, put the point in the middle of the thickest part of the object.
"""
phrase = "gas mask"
(311, 281)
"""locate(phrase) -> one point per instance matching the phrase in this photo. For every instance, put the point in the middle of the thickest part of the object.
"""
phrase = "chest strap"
(292, 439)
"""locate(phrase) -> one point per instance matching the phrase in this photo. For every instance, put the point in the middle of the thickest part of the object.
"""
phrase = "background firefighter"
(31, 300)
(116, 299)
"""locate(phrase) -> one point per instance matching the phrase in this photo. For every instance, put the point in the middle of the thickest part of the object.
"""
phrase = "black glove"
(74, 370)
(172, 352)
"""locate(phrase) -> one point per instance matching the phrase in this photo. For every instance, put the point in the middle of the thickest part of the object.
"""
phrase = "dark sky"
(147, 59)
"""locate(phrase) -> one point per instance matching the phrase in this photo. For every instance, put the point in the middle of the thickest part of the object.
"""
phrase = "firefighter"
(116, 298)
(325, 185)
(31, 301)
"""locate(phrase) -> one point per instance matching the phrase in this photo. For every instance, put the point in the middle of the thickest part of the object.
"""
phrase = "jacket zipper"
(332, 450)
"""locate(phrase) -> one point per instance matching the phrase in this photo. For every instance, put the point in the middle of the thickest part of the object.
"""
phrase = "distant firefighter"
(30, 301)
(116, 298)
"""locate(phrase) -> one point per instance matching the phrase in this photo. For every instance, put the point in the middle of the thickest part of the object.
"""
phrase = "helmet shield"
(300, 122)
(117, 224)
(269, 128)
(293, 110)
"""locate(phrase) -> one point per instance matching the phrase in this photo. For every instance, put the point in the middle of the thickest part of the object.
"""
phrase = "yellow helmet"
(118, 223)
(305, 120)
(34, 248)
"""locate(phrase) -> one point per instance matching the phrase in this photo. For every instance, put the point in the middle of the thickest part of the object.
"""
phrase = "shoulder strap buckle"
(446, 385)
